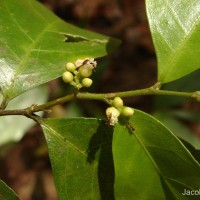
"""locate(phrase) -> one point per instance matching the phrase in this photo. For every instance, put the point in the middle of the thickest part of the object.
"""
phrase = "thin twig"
(29, 112)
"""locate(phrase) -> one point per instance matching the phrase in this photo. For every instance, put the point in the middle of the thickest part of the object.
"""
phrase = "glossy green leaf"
(151, 163)
(81, 156)
(35, 45)
(175, 27)
(7, 193)
(178, 128)
(13, 128)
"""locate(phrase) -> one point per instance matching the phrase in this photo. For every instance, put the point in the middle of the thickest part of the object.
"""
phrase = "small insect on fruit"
(89, 62)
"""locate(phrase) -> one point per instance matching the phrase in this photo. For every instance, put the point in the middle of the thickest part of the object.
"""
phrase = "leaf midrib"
(15, 21)
(29, 49)
(144, 148)
(51, 130)
(83, 153)
(174, 56)
(26, 56)
(165, 178)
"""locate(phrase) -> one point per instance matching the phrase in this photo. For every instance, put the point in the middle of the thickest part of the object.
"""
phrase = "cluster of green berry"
(118, 109)
(78, 73)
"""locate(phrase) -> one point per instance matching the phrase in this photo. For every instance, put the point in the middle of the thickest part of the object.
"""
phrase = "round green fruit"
(112, 111)
(87, 82)
(85, 71)
(70, 67)
(67, 77)
(118, 102)
(127, 111)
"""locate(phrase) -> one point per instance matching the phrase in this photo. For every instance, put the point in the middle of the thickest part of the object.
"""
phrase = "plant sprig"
(106, 97)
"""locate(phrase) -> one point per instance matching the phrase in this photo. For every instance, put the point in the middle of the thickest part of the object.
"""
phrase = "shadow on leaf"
(102, 141)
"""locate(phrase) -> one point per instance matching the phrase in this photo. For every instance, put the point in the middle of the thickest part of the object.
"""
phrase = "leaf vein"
(26, 56)
(17, 24)
(171, 61)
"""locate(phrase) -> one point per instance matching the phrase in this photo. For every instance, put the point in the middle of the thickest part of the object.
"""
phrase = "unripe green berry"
(118, 102)
(87, 82)
(67, 77)
(127, 111)
(85, 71)
(70, 67)
(112, 111)
(112, 115)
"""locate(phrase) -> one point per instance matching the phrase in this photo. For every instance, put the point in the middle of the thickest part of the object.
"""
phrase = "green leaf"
(193, 151)
(81, 156)
(175, 27)
(190, 116)
(178, 128)
(151, 163)
(35, 45)
(6, 192)
(13, 128)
